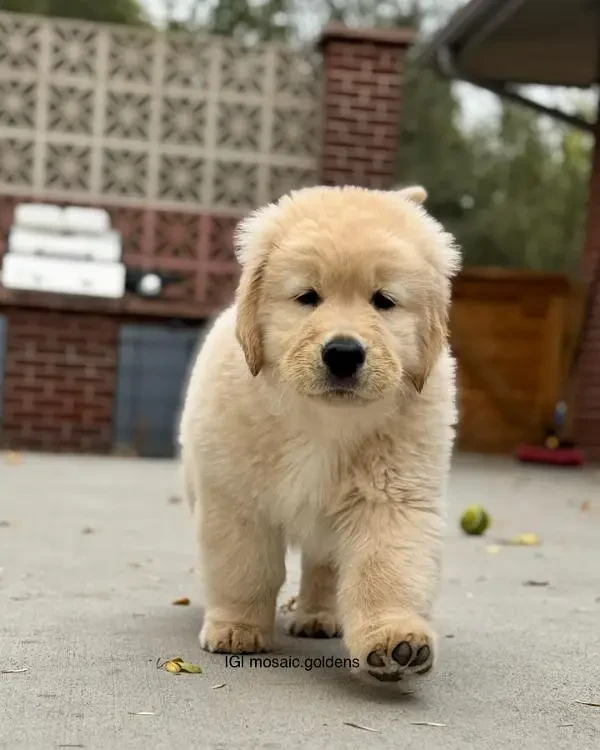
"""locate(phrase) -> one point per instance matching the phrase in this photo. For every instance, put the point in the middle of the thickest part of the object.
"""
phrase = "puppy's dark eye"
(381, 302)
(309, 298)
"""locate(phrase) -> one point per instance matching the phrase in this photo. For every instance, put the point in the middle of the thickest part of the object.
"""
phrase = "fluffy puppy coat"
(276, 452)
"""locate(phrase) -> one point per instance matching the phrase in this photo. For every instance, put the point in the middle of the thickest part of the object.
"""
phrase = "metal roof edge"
(456, 27)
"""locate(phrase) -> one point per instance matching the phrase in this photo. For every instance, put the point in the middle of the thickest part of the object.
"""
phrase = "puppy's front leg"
(388, 570)
(243, 564)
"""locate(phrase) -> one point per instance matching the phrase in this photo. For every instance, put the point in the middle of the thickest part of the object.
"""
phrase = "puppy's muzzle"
(343, 357)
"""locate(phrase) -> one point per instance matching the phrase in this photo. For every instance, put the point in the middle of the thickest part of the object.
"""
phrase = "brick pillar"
(362, 104)
(59, 380)
(587, 396)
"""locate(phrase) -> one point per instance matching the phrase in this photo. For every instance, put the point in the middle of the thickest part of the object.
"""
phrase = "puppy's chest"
(308, 479)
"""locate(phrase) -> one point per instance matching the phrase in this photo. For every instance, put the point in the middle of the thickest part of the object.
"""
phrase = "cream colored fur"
(272, 457)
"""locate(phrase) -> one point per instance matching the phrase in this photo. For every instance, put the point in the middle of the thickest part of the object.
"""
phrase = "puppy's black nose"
(343, 356)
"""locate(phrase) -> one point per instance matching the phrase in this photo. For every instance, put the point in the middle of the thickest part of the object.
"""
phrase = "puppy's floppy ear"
(252, 244)
(414, 194)
(444, 258)
(432, 336)
(247, 327)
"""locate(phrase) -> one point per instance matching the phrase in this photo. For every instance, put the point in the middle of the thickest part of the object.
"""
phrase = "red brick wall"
(362, 102)
(587, 400)
(59, 380)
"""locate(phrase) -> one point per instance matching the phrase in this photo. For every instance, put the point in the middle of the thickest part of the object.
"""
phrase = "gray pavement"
(88, 614)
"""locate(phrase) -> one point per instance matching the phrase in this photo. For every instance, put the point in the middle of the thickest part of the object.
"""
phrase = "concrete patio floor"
(92, 554)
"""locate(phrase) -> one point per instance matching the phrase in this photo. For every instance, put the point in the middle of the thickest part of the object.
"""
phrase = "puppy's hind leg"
(243, 562)
(315, 614)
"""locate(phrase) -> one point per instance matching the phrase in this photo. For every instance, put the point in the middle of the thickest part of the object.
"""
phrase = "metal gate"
(2, 351)
(153, 367)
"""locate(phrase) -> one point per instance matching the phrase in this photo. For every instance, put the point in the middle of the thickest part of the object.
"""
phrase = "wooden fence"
(513, 334)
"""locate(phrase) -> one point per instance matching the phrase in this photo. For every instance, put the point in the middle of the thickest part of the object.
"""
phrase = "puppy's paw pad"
(233, 638)
(400, 652)
(319, 625)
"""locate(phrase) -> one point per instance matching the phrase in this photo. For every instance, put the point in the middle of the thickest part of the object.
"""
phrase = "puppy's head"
(344, 292)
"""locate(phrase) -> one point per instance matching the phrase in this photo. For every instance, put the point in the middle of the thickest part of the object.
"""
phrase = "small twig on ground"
(360, 726)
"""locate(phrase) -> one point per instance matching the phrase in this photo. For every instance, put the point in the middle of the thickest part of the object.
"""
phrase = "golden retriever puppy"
(320, 414)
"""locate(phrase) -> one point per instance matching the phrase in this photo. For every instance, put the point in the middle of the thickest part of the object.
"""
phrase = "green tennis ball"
(474, 520)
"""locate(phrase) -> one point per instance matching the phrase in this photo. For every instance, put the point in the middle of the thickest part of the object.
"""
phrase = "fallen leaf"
(182, 602)
(585, 506)
(525, 540)
(535, 583)
(87, 530)
(360, 726)
(172, 666)
(289, 605)
(589, 703)
(219, 686)
(12, 458)
(427, 724)
(493, 549)
(449, 635)
(174, 500)
(5, 524)
(141, 713)
(189, 668)
(177, 665)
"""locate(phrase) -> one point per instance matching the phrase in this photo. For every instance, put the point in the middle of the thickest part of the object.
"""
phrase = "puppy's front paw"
(233, 638)
(396, 650)
(317, 625)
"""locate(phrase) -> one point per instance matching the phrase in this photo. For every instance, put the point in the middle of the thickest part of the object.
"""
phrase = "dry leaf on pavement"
(178, 665)
(181, 602)
(289, 605)
(524, 540)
